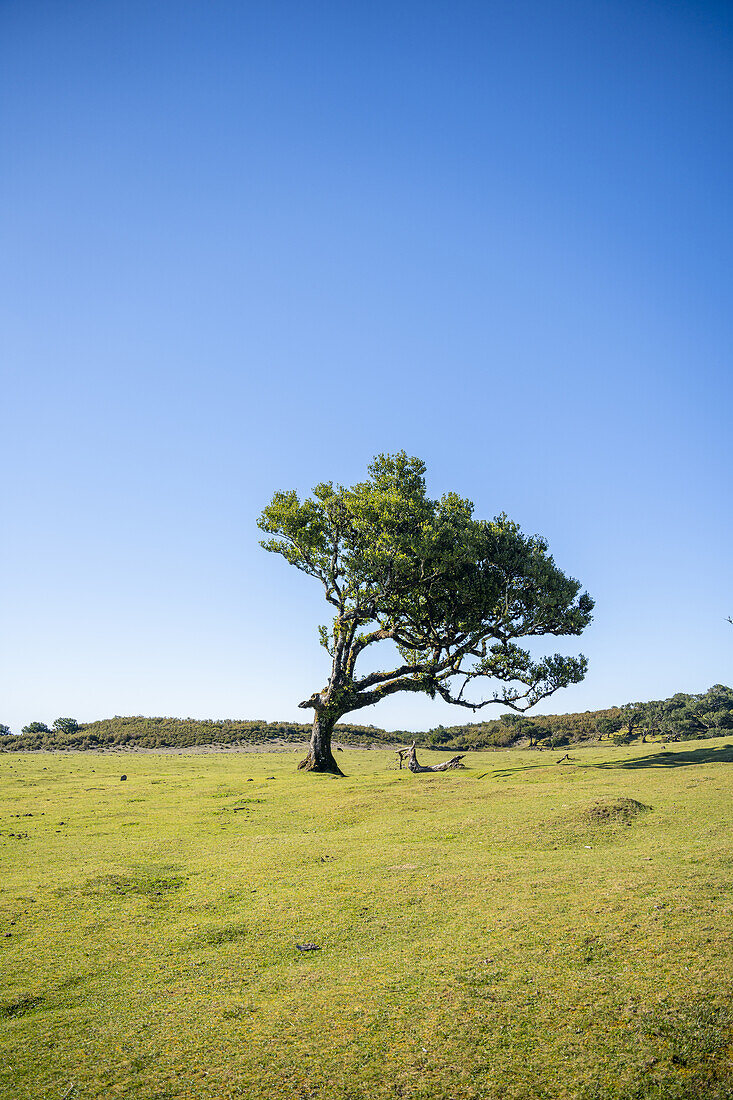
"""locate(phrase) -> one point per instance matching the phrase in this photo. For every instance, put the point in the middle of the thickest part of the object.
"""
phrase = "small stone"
(123, 778)
(308, 946)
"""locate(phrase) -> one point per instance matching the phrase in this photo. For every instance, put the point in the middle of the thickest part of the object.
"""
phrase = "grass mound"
(615, 810)
(141, 884)
(683, 1053)
(216, 937)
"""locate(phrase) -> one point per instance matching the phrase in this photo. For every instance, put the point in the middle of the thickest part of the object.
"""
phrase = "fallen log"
(415, 766)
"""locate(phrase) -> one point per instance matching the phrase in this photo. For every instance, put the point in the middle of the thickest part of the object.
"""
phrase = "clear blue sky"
(246, 246)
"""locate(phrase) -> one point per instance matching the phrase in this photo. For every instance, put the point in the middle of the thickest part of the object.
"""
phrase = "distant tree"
(518, 725)
(36, 727)
(438, 736)
(452, 594)
(4, 730)
(606, 727)
(632, 715)
(658, 718)
(537, 731)
(704, 715)
(66, 725)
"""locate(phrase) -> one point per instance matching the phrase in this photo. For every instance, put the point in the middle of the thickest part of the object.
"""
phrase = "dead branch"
(401, 754)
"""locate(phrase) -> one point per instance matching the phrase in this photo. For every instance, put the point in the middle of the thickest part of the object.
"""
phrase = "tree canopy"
(452, 593)
(36, 727)
(66, 725)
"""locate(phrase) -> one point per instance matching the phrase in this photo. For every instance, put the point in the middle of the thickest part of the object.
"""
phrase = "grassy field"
(521, 929)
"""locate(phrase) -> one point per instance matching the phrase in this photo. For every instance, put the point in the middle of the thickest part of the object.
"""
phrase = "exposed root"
(325, 767)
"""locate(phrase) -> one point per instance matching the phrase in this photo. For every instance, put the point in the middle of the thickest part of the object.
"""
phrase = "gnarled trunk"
(415, 766)
(320, 757)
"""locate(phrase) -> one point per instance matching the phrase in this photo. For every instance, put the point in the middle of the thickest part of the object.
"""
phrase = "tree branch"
(312, 703)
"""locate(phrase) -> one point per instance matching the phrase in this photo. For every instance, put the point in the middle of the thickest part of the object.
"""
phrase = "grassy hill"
(156, 733)
(681, 717)
(524, 929)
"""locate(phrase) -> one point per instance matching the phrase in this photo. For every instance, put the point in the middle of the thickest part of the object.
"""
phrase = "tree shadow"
(505, 773)
(670, 759)
(711, 755)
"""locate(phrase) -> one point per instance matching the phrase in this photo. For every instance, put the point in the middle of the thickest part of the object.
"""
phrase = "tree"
(657, 719)
(438, 736)
(66, 725)
(606, 727)
(36, 727)
(524, 727)
(632, 715)
(537, 731)
(447, 595)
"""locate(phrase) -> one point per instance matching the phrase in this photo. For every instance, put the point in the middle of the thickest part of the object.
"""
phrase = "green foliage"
(547, 730)
(157, 733)
(706, 715)
(35, 728)
(686, 717)
(681, 718)
(631, 716)
(66, 725)
(608, 725)
(451, 592)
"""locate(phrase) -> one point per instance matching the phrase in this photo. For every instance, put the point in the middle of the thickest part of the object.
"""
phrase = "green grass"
(520, 929)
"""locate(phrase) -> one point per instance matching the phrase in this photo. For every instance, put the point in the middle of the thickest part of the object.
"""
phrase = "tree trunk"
(320, 757)
(415, 766)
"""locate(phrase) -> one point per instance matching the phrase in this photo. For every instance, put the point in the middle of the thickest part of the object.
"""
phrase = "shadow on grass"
(722, 755)
(504, 773)
(670, 759)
